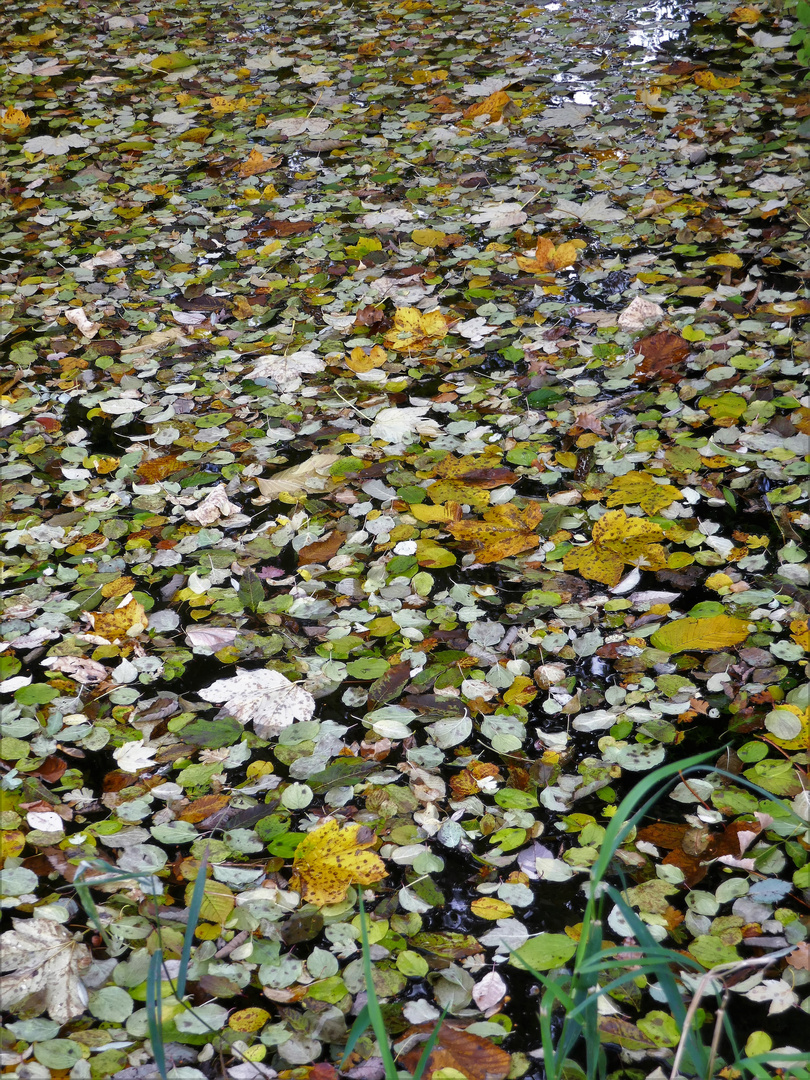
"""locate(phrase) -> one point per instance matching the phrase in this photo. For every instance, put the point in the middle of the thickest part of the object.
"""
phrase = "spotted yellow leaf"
(640, 488)
(125, 622)
(505, 531)
(618, 540)
(330, 859)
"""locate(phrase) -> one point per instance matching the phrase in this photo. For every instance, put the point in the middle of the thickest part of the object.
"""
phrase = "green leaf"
(544, 952)
(251, 590)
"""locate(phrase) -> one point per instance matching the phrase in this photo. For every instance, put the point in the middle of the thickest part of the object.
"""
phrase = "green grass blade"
(193, 919)
(374, 1011)
(154, 1011)
(428, 1050)
(361, 1024)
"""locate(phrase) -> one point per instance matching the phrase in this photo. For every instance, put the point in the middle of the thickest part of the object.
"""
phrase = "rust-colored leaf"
(321, 551)
(474, 1057)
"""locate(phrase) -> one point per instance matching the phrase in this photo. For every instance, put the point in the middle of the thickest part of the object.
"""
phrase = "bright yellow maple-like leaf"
(800, 632)
(547, 256)
(13, 122)
(505, 531)
(707, 80)
(361, 361)
(125, 622)
(493, 106)
(745, 14)
(330, 859)
(256, 163)
(414, 330)
(702, 635)
(641, 489)
(618, 540)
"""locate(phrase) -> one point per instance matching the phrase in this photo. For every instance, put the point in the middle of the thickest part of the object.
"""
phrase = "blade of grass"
(361, 1024)
(154, 1011)
(424, 1057)
(193, 918)
(374, 1011)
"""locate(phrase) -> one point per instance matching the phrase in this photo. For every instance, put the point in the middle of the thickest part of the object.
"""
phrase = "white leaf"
(475, 330)
(639, 313)
(268, 61)
(393, 217)
(43, 958)
(311, 475)
(299, 125)
(215, 506)
(134, 756)
(264, 696)
(778, 993)
(504, 215)
(78, 316)
(486, 86)
(108, 257)
(395, 425)
(173, 118)
(596, 209)
(50, 144)
(212, 637)
(771, 182)
(45, 820)
(489, 992)
(286, 371)
(770, 41)
(80, 668)
(565, 116)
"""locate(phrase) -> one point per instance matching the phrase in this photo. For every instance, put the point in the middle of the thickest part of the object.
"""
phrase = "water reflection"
(655, 24)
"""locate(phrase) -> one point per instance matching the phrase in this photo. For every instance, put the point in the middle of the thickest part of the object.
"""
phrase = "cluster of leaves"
(404, 425)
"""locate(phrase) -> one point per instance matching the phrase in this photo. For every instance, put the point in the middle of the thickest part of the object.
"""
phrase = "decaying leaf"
(457, 1050)
(127, 621)
(330, 859)
(44, 964)
(215, 506)
(640, 488)
(505, 531)
(548, 257)
(617, 541)
(265, 697)
(310, 475)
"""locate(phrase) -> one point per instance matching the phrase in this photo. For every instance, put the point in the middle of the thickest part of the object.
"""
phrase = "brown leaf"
(157, 469)
(472, 1056)
(279, 227)
(321, 551)
(661, 352)
(203, 808)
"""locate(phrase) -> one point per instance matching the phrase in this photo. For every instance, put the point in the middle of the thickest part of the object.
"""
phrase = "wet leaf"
(330, 859)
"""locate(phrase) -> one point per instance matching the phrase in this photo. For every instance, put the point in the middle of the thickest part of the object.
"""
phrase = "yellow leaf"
(361, 361)
(433, 324)
(217, 903)
(248, 1020)
(428, 237)
(709, 81)
(256, 163)
(14, 121)
(125, 622)
(548, 257)
(728, 259)
(493, 106)
(241, 308)
(617, 540)
(490, 907)
(504, 532)
(640, 488)
(801, 740)
(444, 491)
(800, 632)
(745, 14)
(119, 587)
(521, 692)
(435, 514)
(330, 859)
(651, 97)
(702, 635)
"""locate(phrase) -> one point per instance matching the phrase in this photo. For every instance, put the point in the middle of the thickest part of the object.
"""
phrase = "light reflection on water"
(656, 23)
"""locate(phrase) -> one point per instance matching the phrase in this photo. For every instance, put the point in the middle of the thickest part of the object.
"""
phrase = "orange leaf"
(474, 1057)
(256, 163)
(492, 106)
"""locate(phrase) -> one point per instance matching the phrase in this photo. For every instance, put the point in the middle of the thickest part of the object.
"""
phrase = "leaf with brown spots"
(330, 859)
(505, 531)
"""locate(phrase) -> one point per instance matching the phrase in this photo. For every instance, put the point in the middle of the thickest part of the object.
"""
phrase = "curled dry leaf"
(308, 476)
(215, 506)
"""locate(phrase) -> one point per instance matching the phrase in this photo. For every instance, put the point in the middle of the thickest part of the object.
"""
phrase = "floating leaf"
(264, 696)
(330, 859)
(641, 488)
(505, 531)
(702, 635)
(617, 540)
(43, 958)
